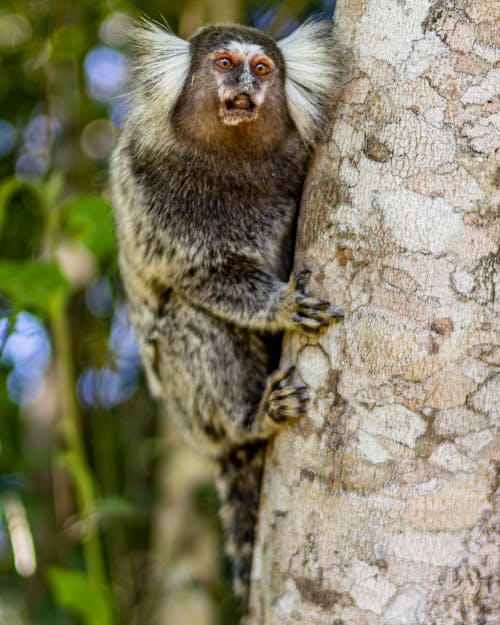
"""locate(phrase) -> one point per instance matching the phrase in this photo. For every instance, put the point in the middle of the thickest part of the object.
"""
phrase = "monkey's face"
(242, 72)
(235, 86)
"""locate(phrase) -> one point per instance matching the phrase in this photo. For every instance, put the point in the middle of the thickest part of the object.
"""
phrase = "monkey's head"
(236, 70)
(230, 82)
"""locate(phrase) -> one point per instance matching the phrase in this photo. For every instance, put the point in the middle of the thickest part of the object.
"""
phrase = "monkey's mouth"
(241, 108)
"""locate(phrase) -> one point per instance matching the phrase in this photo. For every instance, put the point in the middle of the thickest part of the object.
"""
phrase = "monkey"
(206, 181)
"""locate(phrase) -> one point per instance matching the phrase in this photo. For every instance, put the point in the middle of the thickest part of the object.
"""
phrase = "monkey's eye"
(224, 63)
(261, 69)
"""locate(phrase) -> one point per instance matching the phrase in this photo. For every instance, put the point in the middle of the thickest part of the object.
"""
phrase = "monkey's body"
(212, 369)
(205, 196)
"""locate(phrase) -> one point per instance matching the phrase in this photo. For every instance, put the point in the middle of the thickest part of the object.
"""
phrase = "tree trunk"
(379, 507)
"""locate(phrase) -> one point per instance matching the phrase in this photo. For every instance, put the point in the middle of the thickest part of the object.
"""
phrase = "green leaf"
(82, 594)
(68, 41)
(52, 187)
(22, 209)
(88, 219)
(8, 188)
(31, 285)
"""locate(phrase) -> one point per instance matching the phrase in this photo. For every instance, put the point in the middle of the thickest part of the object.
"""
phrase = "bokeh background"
(105, 519)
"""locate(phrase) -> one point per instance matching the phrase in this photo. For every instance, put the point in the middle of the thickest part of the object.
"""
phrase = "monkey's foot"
(282, 401)
(309, 314)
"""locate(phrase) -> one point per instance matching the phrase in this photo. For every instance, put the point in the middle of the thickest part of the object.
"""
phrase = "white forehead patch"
(246, 49)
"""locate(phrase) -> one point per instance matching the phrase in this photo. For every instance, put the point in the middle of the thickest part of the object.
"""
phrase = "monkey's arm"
(241, 292)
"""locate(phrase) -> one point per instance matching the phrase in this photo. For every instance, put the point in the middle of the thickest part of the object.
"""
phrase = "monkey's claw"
(288, 403)
(285, 400)
(300, 278)
(310, 314)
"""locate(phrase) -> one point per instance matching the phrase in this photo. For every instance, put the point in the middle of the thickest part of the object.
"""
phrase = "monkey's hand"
(305, 314)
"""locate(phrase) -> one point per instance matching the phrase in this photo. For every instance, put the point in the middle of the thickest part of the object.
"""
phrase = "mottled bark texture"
(379, 507)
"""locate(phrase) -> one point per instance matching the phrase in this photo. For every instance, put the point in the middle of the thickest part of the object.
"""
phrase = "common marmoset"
(206, 182)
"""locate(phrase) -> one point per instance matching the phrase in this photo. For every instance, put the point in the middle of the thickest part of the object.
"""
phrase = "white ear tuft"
(312, 76)
(160, 63)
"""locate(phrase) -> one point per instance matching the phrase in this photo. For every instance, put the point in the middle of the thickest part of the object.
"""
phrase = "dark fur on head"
(219, 35)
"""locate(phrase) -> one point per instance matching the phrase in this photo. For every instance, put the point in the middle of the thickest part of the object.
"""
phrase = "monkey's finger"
(288, 413)
(290, 408)
(287, 391)
(301, 298)
(315, 315)
(305, 304)
(290, 400)
(301, 278)
(311, 302)
(302, 274)
(282, 393)
(309, 322)
(326, 314)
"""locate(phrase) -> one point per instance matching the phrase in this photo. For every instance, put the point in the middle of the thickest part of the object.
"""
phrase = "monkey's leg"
(282, 401)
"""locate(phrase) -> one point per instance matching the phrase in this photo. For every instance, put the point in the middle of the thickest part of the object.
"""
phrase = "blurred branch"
(75, 458)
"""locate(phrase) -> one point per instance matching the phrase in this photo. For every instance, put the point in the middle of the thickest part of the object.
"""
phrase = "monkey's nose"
(246, 79)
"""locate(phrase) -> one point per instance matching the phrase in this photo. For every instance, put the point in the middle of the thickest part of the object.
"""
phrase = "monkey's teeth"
(241, 102)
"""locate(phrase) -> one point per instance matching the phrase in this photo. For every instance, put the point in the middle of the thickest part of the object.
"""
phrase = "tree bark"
(379, 507)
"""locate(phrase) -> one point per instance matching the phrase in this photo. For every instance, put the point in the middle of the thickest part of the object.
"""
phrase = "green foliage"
(68, 41)
(21, 209)
(8, 188)
(81, 594)
(88, 219)
(11, 431)
(32, 285)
